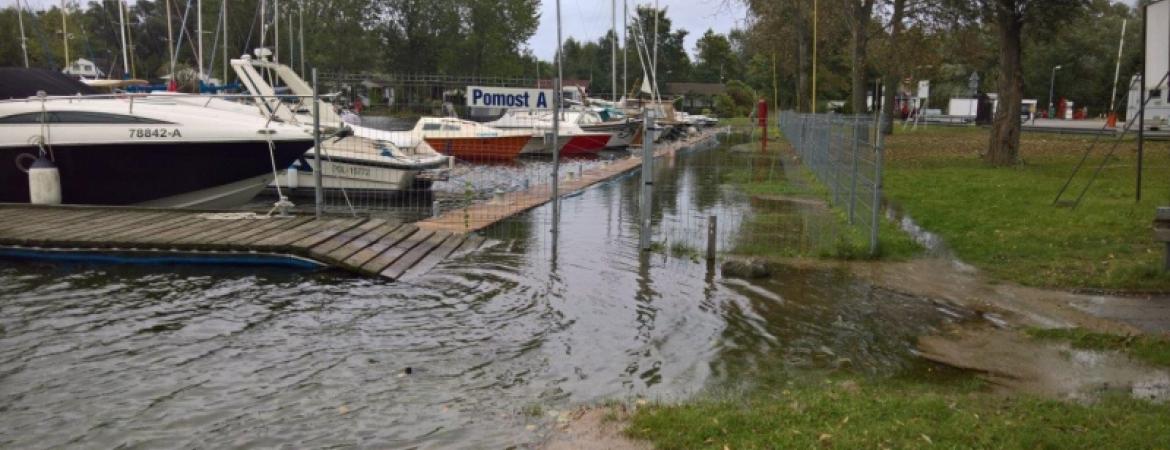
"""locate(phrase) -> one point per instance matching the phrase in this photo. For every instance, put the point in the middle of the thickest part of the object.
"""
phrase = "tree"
(1010, 18)
(715, 62)
(860, 17)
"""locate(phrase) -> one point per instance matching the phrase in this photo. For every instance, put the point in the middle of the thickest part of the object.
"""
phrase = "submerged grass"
(807, 226)
(1003, 220)
(894, 414)
(1151, 349)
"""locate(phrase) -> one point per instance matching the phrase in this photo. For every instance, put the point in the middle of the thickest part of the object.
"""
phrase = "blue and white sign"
(516, 98)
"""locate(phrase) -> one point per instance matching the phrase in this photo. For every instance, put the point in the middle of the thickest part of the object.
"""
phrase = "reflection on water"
(106, 356)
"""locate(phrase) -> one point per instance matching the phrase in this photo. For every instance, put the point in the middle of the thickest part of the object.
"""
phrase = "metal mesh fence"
(845, 154)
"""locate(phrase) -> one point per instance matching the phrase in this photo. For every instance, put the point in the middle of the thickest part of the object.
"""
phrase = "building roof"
(695, 88)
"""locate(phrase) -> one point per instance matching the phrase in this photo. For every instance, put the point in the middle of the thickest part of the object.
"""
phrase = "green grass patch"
(1003, 220)
(1150, 349)
(890, 414)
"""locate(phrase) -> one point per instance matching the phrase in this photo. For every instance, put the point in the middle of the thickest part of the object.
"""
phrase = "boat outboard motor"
(44, 182)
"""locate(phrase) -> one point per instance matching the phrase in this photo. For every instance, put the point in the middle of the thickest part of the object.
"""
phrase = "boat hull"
(585, 144)
(621, 133)
(480, 148)
(166, 174)
(360, 175)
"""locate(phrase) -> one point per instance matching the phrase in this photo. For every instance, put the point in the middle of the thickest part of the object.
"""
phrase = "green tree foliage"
(715, 61)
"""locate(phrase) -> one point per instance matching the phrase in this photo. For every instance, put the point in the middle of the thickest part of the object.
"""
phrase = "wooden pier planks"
(376, 247)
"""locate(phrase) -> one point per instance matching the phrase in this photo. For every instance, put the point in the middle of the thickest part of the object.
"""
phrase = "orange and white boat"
(470, 141)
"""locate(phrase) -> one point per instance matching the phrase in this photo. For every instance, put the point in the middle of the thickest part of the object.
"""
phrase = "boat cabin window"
(451, 127)
(431, 126)
(76, 117)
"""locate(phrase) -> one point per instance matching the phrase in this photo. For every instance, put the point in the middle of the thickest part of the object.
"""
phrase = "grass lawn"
(895, 414)
(1003, 221)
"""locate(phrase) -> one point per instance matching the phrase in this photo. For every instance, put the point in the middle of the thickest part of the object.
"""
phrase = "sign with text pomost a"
(515, 98)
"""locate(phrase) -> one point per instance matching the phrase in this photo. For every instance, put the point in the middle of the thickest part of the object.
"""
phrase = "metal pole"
(647, 179)
(876, 206)
(199, 39)
(625, 44)
(122, 32)
(813, 104)
(64, 33)
(853, 179)
(1141, 134)
(301, 33)
(1117, 68)
(1051, 86)
(23, 40)
(556, 129)
(613, 50)
(225, 42)
(317, 146)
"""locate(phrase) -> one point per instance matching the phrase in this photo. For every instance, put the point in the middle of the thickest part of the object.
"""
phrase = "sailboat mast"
(301, 31)
(64, 33)
(23, 40)
(225, 43)
(263, 22)
(199, 37)
(170, 40)
(122, 31)
(291, 41)
(654, 59)
(613, 50)
(276, 31)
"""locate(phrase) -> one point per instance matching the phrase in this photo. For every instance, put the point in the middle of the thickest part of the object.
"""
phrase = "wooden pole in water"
(712, 234)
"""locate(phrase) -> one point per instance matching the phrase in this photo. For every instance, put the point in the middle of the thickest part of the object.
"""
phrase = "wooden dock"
(375, 247)
(481, 215)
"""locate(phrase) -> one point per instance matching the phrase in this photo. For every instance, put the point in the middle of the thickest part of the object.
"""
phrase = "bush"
(725, 106)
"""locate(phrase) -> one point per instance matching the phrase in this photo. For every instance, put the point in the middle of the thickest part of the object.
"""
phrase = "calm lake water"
(496, 342)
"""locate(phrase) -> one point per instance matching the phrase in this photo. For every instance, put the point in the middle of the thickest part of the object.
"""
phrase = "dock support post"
(317, 147)
(712, 236)
(647, 179)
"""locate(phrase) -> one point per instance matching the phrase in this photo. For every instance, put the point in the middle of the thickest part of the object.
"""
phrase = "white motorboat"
(141, 150)
(576, 141)
(367, 159)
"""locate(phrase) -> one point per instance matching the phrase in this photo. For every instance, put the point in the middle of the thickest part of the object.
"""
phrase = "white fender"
(44, 183)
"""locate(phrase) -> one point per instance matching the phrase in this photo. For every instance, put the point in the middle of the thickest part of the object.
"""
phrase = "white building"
(84, 68)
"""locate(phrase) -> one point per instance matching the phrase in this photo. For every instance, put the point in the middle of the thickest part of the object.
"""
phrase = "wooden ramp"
(374, 247)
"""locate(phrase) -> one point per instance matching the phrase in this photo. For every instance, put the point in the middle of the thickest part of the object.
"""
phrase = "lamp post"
(1051, 85)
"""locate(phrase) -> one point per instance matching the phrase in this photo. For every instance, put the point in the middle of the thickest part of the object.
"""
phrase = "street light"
(1051, 84)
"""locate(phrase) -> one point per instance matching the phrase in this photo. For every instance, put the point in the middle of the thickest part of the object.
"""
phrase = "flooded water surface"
(484, 351)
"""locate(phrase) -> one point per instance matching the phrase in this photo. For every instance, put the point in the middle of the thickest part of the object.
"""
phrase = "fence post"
(647, 179)
(317, 147)
(853, 179)
(877, 187)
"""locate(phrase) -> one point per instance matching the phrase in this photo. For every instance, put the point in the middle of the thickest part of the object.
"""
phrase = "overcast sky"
(587, 20)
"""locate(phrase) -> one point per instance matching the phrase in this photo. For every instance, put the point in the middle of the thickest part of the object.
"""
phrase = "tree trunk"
(894, 77)
(1004, 147)
(804, 63)
(862, 10)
